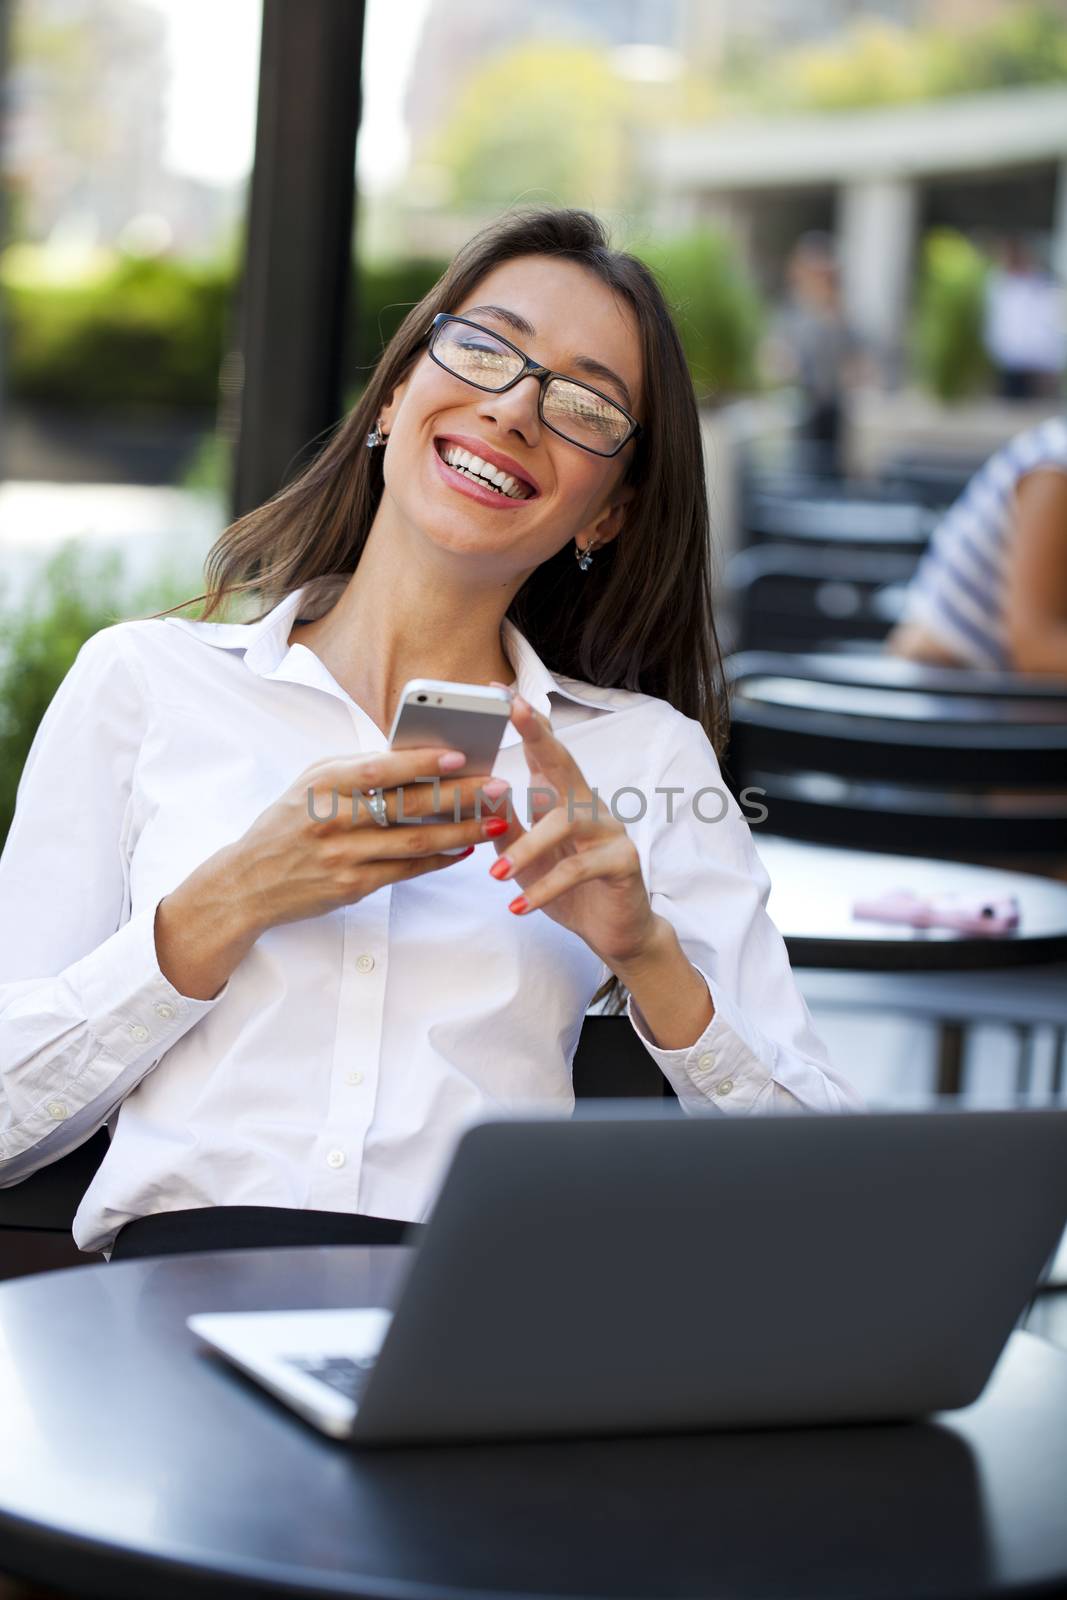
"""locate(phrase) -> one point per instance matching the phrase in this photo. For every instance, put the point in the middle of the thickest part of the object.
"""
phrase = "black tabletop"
(813, 887)
(135, 1463)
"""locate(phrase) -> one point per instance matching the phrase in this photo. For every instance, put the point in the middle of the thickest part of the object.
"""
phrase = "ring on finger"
(375, 799)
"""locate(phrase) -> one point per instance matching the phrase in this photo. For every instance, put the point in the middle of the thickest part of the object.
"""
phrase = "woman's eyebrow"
(589, 364)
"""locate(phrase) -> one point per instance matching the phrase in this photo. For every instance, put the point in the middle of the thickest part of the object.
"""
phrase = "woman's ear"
(612, 519)
(390, 406)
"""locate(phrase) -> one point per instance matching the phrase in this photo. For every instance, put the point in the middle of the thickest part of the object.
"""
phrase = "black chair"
(809, 598)
(789, 517)
(934, 481)
(36, 1216)
(883, 754)
(46, 1201)
(610, 1061)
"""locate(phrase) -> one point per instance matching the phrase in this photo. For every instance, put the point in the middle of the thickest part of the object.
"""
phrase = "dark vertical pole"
(299, 239)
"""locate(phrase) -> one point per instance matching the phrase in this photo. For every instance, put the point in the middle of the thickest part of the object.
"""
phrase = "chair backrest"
(47, 1200)
(810, 599)
(934, 481)
(610, 1060)
(835, 522)
(884, 754)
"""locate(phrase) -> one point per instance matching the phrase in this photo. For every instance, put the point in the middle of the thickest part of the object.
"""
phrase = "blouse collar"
(265, 646)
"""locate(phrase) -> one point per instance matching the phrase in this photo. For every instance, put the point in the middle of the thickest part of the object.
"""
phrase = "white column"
(1059, 225)
(876, 221)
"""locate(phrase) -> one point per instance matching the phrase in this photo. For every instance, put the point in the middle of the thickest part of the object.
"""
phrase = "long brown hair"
(642, 618)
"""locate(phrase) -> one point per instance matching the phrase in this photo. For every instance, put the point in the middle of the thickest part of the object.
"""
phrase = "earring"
(376, 437)
(585, 557)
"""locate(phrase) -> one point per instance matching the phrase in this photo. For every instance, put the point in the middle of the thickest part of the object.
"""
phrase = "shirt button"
(138, 1032)
(706, 1062)
(725, 1087)
(164, 1010)
(336, 1158)
(354, 1079)
(365, 963)
(56, 1109)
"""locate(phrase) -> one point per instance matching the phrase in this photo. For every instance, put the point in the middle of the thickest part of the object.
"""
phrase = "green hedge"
(717, 310)
(949, 354)
(384, 294)
(152, 333)
(73, 598)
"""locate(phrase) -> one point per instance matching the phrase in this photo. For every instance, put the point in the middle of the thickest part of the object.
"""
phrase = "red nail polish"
(464, 853)
(495, 827)
(519, 905)
(501, 868)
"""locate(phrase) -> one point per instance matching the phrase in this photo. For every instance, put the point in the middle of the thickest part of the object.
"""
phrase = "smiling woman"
(277, 1013)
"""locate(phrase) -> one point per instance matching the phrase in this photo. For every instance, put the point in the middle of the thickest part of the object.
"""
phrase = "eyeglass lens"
(576, 412)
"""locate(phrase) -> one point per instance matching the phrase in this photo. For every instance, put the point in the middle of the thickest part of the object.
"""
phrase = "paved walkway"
(155, 530)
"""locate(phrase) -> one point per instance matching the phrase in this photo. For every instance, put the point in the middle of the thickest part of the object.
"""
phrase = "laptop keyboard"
(349, 1377)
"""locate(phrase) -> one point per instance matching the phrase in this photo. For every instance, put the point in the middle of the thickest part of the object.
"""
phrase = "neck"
(397, 620)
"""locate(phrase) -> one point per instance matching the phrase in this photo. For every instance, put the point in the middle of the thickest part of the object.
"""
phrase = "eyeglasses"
(579, 414)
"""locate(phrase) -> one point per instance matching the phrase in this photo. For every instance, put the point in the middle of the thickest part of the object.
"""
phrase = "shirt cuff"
(133, 1011)
(722, 1068)
(122, 1016)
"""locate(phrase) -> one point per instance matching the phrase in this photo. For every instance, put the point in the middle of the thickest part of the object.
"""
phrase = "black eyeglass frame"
(531, 369)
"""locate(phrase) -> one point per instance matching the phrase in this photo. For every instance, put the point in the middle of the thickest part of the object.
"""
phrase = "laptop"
(635, 1269)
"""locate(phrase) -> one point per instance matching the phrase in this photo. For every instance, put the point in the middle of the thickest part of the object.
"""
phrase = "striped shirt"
(958, 591)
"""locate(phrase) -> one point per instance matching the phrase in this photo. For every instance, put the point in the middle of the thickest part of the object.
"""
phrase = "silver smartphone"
(455, 716)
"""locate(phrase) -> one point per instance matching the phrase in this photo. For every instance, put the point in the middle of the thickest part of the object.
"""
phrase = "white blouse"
(346, 1053)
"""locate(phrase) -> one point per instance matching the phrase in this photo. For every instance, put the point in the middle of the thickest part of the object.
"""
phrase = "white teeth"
(483, 472)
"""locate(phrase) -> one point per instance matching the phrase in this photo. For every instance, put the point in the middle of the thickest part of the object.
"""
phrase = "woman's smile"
(465, 483)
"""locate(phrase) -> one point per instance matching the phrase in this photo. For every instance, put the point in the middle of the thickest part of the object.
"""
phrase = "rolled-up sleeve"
(760, 1052)
(85, 1011)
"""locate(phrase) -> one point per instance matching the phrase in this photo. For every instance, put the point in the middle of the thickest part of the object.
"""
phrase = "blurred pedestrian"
(812, 345)
(991, 589)
(1025, 327)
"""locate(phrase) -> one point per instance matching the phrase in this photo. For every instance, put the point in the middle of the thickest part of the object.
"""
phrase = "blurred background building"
(925, 140)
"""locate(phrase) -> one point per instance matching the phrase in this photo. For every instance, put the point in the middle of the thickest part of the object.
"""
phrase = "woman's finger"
(451, 799)
(601, 862)
(545, 752)
(553, 830)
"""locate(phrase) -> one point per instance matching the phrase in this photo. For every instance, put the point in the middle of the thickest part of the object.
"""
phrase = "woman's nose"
(516, 408)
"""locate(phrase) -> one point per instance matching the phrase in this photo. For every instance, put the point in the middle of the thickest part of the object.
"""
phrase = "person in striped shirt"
(991, 588)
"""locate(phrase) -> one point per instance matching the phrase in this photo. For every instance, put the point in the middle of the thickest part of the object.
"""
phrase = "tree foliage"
(877, 62)
(556, 121)
(541, 118)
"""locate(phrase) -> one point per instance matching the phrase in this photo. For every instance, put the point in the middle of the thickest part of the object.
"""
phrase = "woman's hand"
(318, 847)
(581, 868)
(314, 849)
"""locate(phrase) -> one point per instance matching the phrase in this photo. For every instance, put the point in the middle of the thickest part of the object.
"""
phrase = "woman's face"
(579, 494)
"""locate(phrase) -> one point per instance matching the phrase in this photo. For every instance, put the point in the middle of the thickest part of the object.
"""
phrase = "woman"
(991, 589)
(292, 1019)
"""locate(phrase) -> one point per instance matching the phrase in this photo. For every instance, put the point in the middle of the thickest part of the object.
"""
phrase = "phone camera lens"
(421, 698)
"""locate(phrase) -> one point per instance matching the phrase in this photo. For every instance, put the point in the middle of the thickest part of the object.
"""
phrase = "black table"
(814, 885)
(135, 1464)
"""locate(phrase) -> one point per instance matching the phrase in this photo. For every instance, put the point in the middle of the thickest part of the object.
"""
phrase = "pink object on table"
(963, 913)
